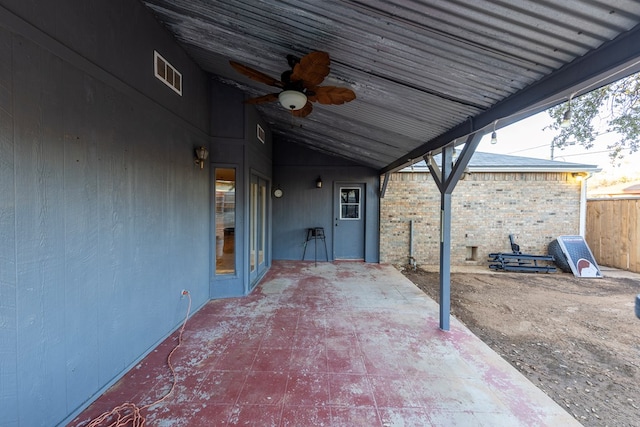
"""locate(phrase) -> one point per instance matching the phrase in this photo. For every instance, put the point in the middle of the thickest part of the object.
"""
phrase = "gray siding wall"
(295, 171)
(235, 144)
(104, 218)
(116, 39)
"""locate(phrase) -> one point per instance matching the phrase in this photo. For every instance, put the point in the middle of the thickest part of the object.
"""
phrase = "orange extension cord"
(129, 414)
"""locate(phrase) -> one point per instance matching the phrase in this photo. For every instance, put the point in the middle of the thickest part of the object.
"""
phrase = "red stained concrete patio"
(337, 344)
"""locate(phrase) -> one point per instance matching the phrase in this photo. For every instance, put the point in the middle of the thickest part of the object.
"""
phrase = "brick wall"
(486, 208)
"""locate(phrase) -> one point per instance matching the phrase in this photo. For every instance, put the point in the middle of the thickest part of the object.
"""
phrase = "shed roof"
(425, 73)
(622, 189)
(491, 162)
(632, 189)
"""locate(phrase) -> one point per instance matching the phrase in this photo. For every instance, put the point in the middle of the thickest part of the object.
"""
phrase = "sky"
(527, 138)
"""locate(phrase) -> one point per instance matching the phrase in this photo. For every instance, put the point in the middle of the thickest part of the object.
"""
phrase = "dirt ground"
(577, 339)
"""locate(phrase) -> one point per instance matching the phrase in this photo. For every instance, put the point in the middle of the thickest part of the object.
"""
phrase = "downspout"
(583, 205)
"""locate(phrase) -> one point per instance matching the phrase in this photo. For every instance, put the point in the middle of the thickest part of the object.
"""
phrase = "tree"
(612, 108)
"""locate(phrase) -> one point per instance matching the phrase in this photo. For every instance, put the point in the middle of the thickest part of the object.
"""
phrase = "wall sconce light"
(201, 155)
(579, 176)
(319, 182)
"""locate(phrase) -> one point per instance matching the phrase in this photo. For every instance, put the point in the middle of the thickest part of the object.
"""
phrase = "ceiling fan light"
(292, 99)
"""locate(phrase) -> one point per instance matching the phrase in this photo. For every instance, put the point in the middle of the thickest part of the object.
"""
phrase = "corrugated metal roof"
(420, 69)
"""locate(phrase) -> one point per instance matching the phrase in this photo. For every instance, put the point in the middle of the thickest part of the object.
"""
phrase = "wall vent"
(261, 134)
(167, 73)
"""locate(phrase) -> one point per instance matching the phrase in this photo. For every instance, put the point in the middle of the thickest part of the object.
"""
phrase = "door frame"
(362, 185)
(264, 228)
(228, 285)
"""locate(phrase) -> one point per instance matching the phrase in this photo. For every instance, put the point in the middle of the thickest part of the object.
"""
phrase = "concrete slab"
(337, 344)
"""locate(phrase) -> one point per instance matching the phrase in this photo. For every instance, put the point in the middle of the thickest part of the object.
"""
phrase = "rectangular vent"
(167, 73)
(261, 135)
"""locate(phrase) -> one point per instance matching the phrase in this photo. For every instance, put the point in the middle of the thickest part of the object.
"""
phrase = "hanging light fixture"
(494, 135)
(454, 152)
(566, 119)
(292, 99)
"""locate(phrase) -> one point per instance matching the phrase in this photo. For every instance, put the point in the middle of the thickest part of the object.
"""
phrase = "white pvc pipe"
(583, 206)
(411, 239)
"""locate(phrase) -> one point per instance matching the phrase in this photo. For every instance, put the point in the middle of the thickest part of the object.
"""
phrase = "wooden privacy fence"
(612, 232)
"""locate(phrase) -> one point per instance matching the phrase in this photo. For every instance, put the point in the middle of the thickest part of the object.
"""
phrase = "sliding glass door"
(257, 228)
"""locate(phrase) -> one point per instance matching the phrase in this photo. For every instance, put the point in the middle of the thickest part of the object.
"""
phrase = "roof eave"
(512, 169)
(516, 169)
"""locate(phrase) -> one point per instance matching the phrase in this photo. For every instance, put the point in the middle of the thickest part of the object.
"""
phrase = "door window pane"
(349, 203)
(225, 190)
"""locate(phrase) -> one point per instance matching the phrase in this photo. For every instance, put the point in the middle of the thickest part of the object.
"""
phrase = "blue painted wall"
(104, 218)
(295, 170)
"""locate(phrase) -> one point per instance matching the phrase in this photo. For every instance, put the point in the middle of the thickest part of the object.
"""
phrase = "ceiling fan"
(300, 85)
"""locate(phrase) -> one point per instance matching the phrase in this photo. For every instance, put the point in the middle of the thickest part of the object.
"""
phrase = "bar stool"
(315, 234)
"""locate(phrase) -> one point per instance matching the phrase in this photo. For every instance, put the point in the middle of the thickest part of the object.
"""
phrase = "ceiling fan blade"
(312, 69)
(332, 95)
(304, 111)
(271, 97)
(255, 74)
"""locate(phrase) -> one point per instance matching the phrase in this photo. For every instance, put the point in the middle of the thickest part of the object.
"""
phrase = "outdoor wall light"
(292, 99)
(319, 182)
(579, 176)
(201, 155)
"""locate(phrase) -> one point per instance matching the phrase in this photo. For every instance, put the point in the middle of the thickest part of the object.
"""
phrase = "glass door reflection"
(225, 213)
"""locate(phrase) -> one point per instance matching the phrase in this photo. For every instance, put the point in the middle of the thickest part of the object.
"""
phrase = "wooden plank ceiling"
(425, 73)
